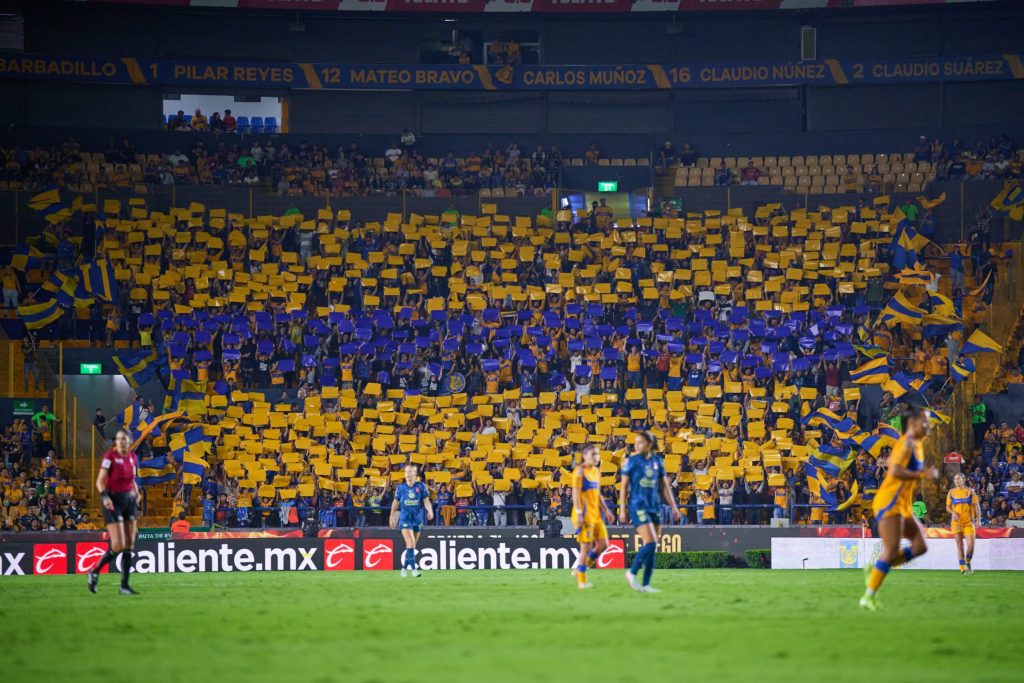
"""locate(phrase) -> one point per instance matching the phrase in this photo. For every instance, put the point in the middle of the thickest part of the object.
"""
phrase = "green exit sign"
(607, 185)
(90, 369)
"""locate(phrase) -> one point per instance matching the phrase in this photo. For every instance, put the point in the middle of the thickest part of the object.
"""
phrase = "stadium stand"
(314, 356)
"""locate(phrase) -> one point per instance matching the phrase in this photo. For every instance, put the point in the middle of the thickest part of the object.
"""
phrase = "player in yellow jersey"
(964, 511)
(894, 500)
(588, 513)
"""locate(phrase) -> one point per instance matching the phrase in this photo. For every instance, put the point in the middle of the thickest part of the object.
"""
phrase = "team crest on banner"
(849, 552)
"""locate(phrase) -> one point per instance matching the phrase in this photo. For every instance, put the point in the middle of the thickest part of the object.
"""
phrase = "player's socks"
(648, 567)
(970, 556)
(963, 567)
(638, 561)
(126, 566)
(107, 558)
(906, 555)
(592, 558)
(581, 573)
(878, 574)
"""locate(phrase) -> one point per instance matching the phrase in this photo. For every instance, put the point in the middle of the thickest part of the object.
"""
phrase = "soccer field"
(454, 626)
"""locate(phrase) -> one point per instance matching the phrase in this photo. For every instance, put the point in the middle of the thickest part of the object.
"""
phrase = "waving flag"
(138, 367)
(817, 482)
(1010, 200)
(829, 418)
(979, 342)
(899, 308)
(40, 315)
(854, 498)
(869, 350)
(914, 276)
(901, 384)
(941, 304)
(831, 460)
(155, 471)
(45, 199)
(152, 428)
(98, 279)
(868, 442)
(934, 325)
(26, 257)
(887, 430)
(873, 372)
(929, 204)
(962, 369)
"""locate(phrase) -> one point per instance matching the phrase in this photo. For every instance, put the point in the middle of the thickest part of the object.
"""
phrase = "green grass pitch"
(523, 626)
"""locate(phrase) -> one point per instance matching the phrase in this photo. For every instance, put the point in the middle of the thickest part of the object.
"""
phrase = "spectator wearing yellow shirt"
(199, 121)
(11, 288)
(593, 155)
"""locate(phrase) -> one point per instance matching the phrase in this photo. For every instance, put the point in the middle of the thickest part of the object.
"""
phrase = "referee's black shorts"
(125, 509)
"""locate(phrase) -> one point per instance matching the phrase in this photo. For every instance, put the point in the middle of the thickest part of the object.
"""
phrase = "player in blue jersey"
(644, 483)
(408, 511)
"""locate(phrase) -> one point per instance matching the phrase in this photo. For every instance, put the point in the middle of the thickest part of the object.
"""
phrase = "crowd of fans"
(323, 353)
(993, 159)
(35, 495)
(287, 169)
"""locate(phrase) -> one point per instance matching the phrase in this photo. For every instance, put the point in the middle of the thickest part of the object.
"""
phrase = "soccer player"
(120, 495)
(588, 513)
(412, 502)
(964, 511)
(894, 500)
(644, 483)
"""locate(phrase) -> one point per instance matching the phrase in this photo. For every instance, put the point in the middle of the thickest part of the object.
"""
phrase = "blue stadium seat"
(270, 124)
(165, 120)
(243, 124)
(188, 119)
(256, 124)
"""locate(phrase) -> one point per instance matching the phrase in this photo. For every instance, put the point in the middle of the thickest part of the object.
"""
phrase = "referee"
(120, 495)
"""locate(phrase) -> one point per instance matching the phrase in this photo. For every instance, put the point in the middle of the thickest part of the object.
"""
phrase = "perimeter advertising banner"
(184, 73)
(221, 555)
(535, 6)
(856, 553)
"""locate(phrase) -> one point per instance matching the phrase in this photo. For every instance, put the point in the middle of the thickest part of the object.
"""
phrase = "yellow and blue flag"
(899, 308)
(979, 342)
(941, 304)
(45, 199)
(827, 417)
(873, 372)
(36, 316)
(869, 350)
(831, 460)
(26, 257)
(914, 276)
(854, 498)
(155, 471)
(138, 367)
(962, 369)
(1010, 200)
(818, 484)
(935, 325)
(97, 278)
(886, 430)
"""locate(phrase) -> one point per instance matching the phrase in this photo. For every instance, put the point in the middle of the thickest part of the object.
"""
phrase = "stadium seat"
(270, 124)
(256, 124)
(243, 124)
